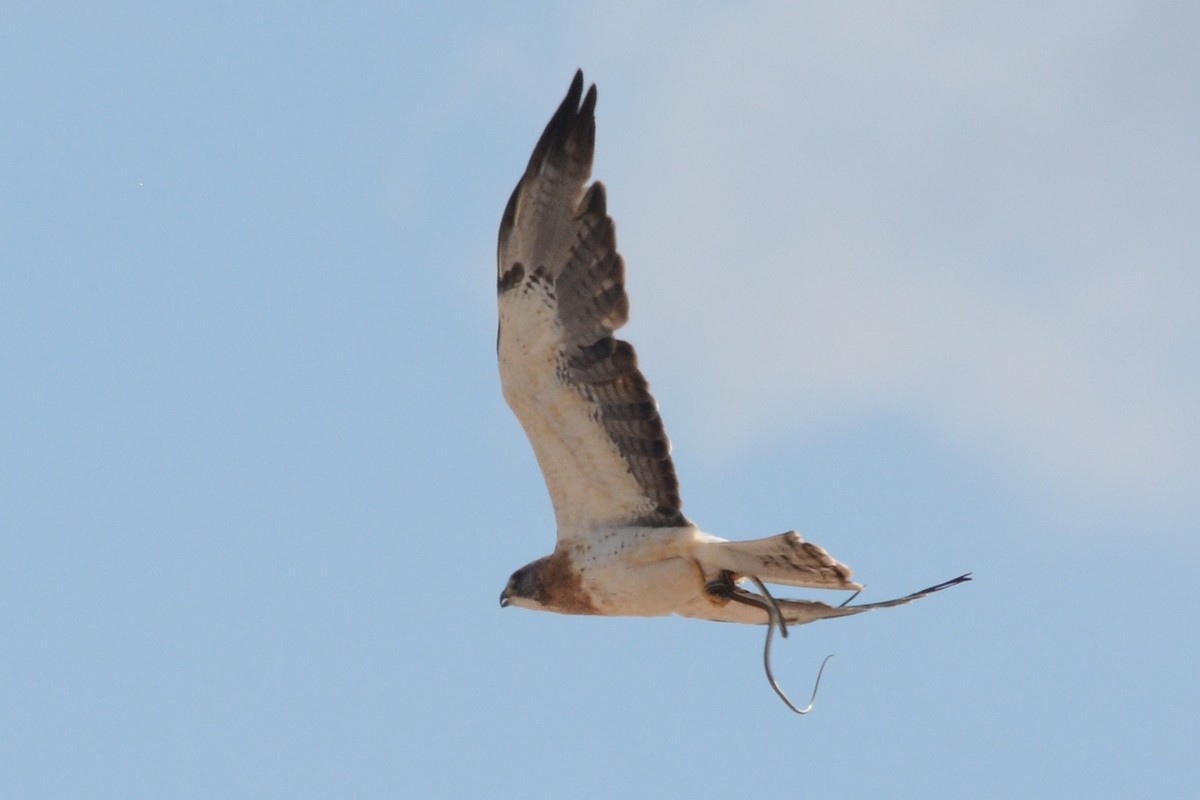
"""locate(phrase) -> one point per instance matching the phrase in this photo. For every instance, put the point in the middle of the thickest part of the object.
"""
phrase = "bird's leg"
(720, 590)
(724, 588)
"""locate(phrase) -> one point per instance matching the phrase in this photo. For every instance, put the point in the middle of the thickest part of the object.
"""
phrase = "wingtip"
(571, 128)
(569, 109)
(589, 100)
(574, 92)
(577, 84)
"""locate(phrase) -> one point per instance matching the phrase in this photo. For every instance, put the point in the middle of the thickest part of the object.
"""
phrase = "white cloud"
(987, 224)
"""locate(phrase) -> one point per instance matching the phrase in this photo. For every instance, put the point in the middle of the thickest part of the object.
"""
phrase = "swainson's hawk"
(624, 546)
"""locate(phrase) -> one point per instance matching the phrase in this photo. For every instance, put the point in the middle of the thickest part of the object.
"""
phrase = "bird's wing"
(576, 390)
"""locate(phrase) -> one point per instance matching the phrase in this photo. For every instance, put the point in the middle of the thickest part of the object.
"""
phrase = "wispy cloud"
(989, 227)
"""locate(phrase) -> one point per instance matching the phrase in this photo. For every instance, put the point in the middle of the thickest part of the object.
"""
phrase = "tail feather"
(785, 558)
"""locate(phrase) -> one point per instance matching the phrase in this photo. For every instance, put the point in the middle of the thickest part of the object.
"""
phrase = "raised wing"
(576, 390)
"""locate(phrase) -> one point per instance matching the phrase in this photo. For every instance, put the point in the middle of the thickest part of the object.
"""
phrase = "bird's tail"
(785, 558)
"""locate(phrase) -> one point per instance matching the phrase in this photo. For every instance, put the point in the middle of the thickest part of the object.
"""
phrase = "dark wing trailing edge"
(577, 390)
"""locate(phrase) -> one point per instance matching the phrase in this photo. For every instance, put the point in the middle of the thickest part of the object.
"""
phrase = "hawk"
(624, 546)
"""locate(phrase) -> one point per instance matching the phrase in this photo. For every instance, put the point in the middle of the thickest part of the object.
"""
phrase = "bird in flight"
(624, 546)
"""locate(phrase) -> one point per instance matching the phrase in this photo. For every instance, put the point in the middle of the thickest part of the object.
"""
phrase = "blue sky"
(918, 281)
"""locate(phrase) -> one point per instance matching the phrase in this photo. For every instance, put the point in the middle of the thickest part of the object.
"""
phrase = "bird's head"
(525, 587)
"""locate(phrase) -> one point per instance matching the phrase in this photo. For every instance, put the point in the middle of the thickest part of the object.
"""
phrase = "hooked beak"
(504, 599)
